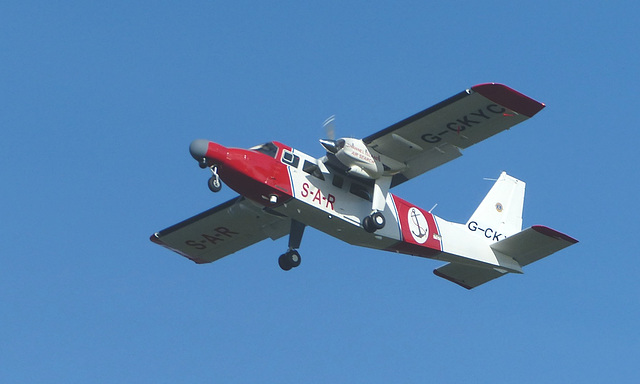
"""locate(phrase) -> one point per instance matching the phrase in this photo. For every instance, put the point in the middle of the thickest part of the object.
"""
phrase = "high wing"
(435, 136)
(524, 247)
(222, 230)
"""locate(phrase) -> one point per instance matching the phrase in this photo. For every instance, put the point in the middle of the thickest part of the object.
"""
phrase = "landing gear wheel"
(294, 258)
(378, 220)
(368, 225)
(290, 259)
(284, 263)
(373, 222)
(214, 184)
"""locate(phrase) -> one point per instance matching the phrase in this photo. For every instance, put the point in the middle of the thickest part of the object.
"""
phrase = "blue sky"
(100, 103)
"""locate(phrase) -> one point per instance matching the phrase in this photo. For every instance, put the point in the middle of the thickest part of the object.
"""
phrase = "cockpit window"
(268, 149)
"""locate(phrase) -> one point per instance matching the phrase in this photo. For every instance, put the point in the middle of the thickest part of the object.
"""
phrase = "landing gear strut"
(376, 220)
(291, 258)
(215, 185)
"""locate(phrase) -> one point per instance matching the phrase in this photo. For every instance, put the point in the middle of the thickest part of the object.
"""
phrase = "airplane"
(346, 194)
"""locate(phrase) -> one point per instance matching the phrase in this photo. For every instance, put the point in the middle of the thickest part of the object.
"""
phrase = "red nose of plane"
(207, 152)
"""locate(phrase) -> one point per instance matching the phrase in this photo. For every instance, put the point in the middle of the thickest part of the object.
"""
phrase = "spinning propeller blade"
(329, 127)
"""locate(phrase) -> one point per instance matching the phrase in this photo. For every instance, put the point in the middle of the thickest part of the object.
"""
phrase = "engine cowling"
(356, 157)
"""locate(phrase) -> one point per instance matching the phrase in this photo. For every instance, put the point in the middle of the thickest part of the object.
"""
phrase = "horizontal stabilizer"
(533, 244)
(467, 276)
(524, 247)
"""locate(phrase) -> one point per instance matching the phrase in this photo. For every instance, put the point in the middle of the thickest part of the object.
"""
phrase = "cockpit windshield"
(268, 149)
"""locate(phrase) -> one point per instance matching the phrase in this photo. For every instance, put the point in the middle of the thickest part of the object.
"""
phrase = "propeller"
(330, 144)
(329, 127)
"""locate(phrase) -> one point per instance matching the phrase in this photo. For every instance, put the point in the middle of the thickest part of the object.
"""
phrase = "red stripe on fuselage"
(420, 235)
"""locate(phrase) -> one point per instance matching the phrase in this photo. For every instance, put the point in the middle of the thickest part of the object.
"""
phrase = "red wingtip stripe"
(553, 233)
(154, 239)
(510, 98)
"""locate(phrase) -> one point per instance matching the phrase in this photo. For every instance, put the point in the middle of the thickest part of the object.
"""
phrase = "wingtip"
(155, 239)
(553, 233)
(510, 98)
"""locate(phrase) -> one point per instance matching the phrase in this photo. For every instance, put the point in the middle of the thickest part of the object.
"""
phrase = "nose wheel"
(215, 184)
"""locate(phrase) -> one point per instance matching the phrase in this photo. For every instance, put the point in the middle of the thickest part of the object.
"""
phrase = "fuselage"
(291, 183)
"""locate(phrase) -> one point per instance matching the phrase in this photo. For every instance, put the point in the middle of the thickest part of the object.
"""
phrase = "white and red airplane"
(346, 194)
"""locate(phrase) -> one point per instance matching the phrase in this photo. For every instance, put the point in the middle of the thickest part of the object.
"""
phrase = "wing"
(222, 230)
(524, 247)
(435, 136)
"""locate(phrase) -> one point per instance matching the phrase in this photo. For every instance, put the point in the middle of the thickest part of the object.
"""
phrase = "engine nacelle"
(355, 155)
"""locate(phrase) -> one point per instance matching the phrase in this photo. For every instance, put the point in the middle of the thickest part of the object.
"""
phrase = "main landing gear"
(376, 220)
(373, 222)
(215, 184)
(291, 258)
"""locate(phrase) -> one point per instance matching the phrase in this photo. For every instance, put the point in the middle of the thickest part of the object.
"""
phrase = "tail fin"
(501, 209)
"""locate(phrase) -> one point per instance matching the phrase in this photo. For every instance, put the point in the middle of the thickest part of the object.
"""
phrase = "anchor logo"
(418, 225)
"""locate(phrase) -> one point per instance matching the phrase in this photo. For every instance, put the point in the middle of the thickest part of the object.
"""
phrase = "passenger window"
(290, 159)
(312, 169)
